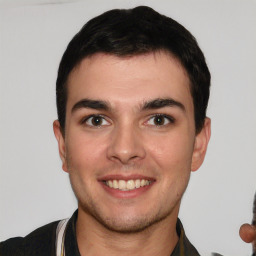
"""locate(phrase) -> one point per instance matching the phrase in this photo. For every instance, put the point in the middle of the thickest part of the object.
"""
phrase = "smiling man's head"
(132, 32)
(132, 93)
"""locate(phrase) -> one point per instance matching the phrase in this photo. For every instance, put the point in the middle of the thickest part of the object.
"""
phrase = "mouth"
(127, 185)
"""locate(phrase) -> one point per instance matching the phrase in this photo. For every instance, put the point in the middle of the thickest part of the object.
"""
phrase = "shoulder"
(39, 242)
(184, 247)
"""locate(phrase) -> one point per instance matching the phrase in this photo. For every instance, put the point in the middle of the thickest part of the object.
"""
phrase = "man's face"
(130, 140)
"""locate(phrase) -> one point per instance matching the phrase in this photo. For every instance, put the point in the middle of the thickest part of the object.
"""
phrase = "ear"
(201, 143)
(61, 144)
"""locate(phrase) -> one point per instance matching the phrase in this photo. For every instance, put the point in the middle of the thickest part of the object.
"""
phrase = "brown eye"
(160, 120)
(96, 121)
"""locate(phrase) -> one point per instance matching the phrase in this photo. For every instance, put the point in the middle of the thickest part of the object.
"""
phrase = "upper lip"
(125, 177)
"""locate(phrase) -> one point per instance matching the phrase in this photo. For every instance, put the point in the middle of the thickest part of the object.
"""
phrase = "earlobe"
(61, 144)
(201, 143)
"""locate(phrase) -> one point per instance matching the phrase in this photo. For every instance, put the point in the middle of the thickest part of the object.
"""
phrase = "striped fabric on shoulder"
(60, 237)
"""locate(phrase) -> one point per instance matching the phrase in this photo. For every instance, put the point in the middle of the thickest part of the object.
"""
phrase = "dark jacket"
(41, 242)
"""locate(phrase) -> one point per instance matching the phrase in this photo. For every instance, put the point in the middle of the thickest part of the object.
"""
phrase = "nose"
(126, 145)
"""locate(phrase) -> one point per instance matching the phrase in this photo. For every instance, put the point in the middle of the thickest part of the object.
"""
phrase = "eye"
(96, 121)
(160, 120)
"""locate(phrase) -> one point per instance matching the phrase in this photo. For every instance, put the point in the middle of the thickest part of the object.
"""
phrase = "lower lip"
(126, 194)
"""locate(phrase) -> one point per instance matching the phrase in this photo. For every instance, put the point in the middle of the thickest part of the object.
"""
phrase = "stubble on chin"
(123, 224)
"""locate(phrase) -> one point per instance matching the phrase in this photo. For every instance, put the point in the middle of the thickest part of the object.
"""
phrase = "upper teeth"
(127, 185)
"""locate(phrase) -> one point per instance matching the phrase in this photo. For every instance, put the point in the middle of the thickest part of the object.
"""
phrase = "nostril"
(125, 158)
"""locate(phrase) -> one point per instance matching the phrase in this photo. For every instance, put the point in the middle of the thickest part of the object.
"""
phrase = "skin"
(248, 232)
(128, 144)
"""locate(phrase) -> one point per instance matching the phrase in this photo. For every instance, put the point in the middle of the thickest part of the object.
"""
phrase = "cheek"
(172, 151)
(84, 152)
(173, 156)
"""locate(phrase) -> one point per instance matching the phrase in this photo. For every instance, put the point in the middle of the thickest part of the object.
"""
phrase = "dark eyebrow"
(88, 103)
(161, 103)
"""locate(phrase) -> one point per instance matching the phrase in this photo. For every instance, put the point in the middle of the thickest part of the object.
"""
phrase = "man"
(132, 93)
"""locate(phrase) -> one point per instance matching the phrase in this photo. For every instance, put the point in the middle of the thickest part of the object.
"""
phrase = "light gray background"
(33, 188)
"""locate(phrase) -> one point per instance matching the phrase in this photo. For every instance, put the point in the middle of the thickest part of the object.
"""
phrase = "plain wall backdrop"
(33, 188)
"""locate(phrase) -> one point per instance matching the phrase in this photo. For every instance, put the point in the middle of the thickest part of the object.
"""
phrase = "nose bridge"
(126, 143)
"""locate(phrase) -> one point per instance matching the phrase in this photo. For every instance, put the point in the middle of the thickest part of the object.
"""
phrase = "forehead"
(129, 80)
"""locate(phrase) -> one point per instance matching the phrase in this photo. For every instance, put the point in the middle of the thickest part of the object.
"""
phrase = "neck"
(94, 239)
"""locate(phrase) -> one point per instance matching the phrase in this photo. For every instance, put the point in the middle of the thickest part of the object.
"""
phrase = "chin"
(130, 226)
(122, 223)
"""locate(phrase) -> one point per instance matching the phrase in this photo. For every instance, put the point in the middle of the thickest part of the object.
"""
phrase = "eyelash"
(84, 120)
(170, 119)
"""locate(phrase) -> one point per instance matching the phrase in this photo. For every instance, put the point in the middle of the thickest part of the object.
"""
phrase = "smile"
(127, 185)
